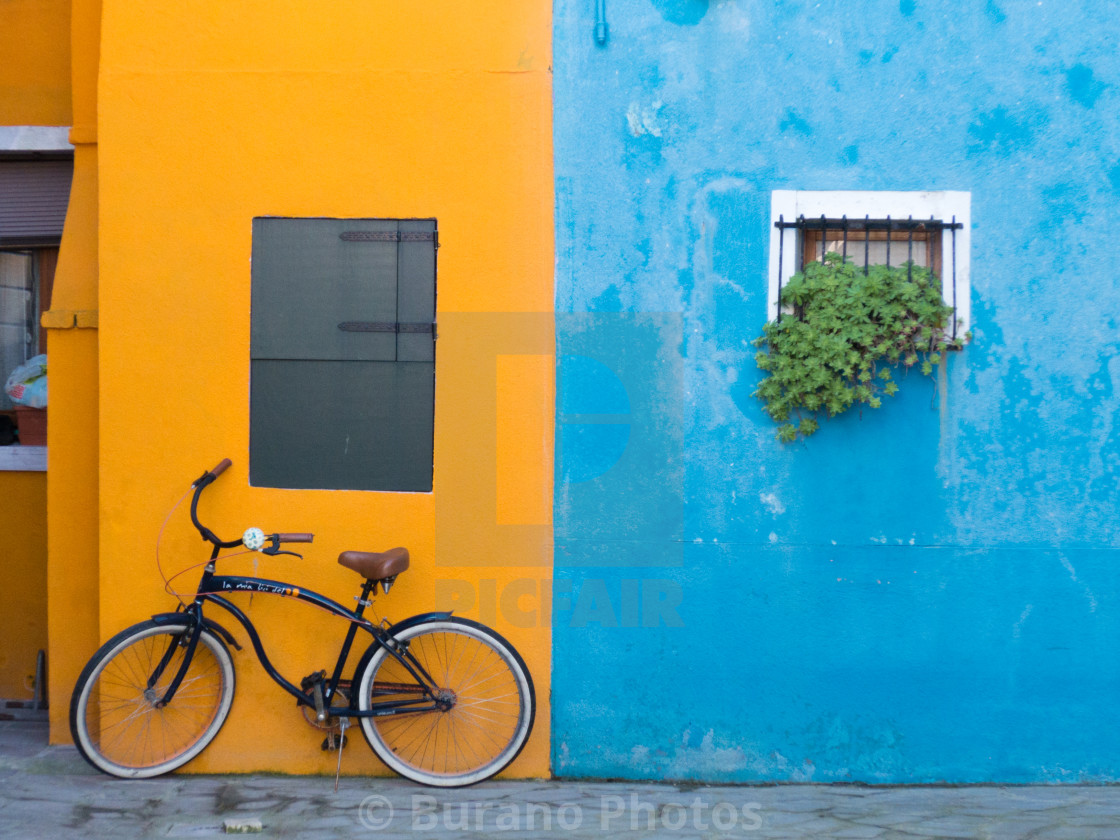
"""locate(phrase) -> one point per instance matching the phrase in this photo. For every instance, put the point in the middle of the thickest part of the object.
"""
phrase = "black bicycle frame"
(213, 587)
(191, 644)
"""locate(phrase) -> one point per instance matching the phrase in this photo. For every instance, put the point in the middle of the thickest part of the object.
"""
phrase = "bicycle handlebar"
(205, 481)
(290, 538)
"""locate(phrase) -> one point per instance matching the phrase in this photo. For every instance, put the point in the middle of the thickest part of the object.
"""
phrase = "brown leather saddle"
(376, 565)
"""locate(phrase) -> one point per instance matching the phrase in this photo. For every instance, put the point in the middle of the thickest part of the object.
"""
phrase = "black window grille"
(856, 236)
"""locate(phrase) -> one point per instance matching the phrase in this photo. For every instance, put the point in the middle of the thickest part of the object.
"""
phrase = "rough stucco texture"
(927, 592)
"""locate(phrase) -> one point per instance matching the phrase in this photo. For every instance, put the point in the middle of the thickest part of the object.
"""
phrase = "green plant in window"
(846, 331)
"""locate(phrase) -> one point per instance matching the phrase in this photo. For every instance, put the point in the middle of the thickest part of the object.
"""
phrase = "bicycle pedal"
(331, 742)
(308, 682)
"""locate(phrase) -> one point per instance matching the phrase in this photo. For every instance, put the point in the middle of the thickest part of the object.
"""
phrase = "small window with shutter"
(34, 194)
(342, 353)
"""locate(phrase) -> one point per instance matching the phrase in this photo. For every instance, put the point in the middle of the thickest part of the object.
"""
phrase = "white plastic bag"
(27, 384)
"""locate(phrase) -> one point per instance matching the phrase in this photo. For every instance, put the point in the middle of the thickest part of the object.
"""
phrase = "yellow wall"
(35, 62)
(23, 597)
(213, 113)
(72, 485)
(35, 89)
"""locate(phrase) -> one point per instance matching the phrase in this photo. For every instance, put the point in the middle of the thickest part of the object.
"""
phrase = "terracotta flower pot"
(32, 423)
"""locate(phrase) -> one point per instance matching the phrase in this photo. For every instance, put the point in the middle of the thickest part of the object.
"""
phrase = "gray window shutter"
(343, 354)
(34, 196)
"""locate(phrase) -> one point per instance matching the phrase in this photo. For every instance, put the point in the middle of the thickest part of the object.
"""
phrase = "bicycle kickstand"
(343, 723)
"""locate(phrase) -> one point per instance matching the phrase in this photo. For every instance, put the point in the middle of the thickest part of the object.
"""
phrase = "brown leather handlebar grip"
(289, 538)
(221, 468)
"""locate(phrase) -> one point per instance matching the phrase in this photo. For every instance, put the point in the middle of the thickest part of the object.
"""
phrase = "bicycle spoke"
(446, 656)
(481, 665)
(485, 731)
(409, 722)
(424, 729)
(483, 714)
(473, 689)
(458, 749)
(481, 700)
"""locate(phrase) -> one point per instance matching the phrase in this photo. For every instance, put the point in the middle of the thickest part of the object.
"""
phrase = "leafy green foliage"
(836, 348)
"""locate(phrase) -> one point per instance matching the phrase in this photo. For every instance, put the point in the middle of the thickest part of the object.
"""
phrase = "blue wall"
(929, 592)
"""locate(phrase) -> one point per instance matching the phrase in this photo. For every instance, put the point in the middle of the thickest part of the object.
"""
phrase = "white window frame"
(944, 206)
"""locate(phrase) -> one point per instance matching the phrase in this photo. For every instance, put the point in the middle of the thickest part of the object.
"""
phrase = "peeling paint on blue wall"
(928, 592)
(682, 12)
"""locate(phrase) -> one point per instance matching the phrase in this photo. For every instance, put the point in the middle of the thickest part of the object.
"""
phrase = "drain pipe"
(601, 30)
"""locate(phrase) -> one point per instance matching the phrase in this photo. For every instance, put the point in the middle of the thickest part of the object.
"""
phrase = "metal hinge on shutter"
(390, 236)
(388, 326)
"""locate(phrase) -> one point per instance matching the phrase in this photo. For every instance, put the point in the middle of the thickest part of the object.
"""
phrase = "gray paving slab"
(51, 792)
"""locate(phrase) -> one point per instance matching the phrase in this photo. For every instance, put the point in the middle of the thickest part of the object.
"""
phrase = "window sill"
(16, 458)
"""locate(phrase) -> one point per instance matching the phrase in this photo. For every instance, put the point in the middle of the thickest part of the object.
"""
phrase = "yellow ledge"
(83, 135)
(68, 319)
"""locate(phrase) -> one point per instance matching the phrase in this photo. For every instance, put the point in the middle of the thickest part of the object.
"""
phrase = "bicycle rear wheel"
(487, 698)
(114, 719)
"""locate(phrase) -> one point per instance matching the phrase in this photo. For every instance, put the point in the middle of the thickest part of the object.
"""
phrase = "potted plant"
(843, 332)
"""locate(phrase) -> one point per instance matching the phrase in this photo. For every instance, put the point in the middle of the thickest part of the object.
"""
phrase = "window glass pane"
(18, 328)
(877, 250)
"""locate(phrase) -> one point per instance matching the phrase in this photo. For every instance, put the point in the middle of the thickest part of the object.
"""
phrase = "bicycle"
(442, 700)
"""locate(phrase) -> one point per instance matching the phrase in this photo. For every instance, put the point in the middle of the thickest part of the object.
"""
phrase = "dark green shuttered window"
(343, 353)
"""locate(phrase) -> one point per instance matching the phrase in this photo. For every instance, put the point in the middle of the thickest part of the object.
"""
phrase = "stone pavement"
(50, 792)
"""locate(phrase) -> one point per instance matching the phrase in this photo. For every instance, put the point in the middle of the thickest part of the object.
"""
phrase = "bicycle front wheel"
(485, 698)
(114, 717)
